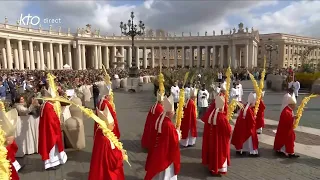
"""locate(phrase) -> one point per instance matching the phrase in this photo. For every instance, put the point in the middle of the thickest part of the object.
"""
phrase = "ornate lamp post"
(270, 48)
(132, 32)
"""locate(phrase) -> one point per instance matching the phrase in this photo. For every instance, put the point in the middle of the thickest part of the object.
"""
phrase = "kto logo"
(26, 20)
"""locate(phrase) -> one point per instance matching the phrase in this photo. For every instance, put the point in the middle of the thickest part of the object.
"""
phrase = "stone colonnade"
(21, 54)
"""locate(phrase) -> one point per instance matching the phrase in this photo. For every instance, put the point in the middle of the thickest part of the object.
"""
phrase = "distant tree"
(307, 64)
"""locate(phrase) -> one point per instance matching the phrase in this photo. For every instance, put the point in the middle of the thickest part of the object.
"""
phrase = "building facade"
(29, 48)
(290, 48)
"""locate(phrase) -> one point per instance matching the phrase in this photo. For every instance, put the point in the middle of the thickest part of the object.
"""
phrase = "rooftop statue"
(234, 30)
(6, 20)
(214, 33)
(205, 33)
(240, 30)
(88, 28)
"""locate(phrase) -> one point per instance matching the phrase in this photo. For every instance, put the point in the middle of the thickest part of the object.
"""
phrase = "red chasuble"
(189, 121)
(260, 115)
(165, 151)
(12, 150)
(101, 107)
(244, 128)
(216, 143)
(212, 106)
(149, 132)
(285, 135)
(49, 131)
(106, 163)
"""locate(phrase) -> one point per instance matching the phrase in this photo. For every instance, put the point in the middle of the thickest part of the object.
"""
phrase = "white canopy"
(66, 66)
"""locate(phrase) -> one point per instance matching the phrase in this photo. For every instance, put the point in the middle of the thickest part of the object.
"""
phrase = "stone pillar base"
(133, 84)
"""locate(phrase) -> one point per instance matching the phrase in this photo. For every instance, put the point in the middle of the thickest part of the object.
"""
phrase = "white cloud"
(301, 18)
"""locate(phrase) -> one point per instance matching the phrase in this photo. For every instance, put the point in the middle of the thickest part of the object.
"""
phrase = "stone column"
(4, 58)
(9, 54)
(137, 57)
(31, 55)
(168, 57)
(27, 59)
(79, 62)
(152, 57)
(214, 55)
(83, 57)
(160, 56)
(41, 56)
(199, 58)
(16, 58)
(96, 60)
(145, 65)
(52, 66)
(191, 57)
(255, 57)
(58, 60)
(100, 57)
(113, 56)
(129, 54)
(221, 56)
(38, 60)
(106, 57)
(250, 59)
(69, 56)
(122, 58)
(60, 57)
(183, 56)
(21, 59)
(207, 56)
(233, 56)
(48, 60)
(175, 57)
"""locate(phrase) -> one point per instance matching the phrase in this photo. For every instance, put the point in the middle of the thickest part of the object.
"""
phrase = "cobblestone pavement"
(132, 110)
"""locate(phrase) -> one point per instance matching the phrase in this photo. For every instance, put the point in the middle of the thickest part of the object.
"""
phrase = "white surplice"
(56, 158)
(248, 147)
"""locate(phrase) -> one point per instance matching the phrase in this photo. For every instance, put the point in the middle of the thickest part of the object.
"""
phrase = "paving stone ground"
(132, 110)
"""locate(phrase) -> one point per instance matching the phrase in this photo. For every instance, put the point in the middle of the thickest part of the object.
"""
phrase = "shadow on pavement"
(132, 145)
(191, 152)
(31, 163)
(193, 170)
(77, 175)
(79, 156)
(132, 178)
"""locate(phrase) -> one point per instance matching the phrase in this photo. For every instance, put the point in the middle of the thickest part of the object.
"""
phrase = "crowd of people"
(23, 92)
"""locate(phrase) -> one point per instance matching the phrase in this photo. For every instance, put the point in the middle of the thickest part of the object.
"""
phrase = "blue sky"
(297, 17)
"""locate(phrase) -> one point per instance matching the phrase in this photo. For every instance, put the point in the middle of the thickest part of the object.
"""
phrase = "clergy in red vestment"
(9, 128)
(216, 139)
(105, 102)
(107, 159)
(11, 116)
(205, 117)
(14, 174)
(149, 133)
(163, 161)
(285, 136)
(244, 137)
(50, 136)
(260, 115)
(189, 122)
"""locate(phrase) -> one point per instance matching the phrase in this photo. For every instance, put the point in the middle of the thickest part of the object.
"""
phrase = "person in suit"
(13, 91)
